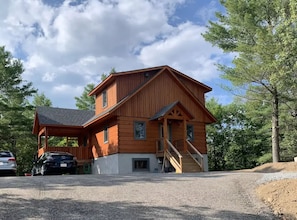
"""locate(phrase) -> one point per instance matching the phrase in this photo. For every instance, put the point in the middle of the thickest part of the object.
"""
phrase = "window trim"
(147, 160)
(135, 133)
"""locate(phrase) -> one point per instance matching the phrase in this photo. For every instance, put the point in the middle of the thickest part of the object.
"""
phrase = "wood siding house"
(147, 120)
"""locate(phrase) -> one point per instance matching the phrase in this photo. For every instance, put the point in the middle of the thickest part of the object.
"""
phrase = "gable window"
(190, 132)
(104, 99)
(105, 135)
(140, 164)
(139, 130)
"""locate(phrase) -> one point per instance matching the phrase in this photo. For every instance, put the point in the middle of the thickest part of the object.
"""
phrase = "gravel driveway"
(212, 195)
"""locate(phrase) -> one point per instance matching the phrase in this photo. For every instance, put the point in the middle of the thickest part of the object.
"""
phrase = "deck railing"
(197, 156)
(81, 153)
(174, 157)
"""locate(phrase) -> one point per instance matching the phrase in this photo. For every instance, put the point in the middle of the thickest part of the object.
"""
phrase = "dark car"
(8, 163)
(54, 163)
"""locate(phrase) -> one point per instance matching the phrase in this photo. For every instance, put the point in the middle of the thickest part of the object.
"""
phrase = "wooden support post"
(185, 135)
(46, 137)
(165, 133)
(39, 141)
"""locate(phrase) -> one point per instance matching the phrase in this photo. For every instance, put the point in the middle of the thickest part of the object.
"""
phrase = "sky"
(66, 44)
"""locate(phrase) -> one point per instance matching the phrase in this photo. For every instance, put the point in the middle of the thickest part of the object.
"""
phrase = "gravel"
(211, 195)
(268, 177)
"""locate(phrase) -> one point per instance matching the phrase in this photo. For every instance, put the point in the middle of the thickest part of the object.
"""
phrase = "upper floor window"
(104, 98)
(139, 130)
(105, 135)
(190, 132)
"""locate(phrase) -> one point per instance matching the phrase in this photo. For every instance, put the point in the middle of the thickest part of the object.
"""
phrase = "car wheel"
(43, 170)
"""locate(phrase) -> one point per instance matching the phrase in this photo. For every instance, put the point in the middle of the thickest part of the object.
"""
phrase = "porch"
(184, 159)
(181, 154)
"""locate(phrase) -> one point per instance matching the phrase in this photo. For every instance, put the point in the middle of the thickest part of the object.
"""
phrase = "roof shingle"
(62, 116)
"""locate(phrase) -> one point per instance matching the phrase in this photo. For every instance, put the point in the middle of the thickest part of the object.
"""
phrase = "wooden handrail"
(198, 153)
(174, 149)
(172, 159)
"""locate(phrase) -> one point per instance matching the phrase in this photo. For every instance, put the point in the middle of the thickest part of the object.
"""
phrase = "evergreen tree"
(41, 100)
(86, 102)
(15, 120)
(261, 35)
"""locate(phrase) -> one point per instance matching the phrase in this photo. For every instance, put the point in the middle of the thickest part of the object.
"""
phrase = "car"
(8, 163)
(54, 163)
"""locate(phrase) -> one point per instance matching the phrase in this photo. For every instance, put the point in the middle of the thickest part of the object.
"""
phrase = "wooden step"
(189, 165)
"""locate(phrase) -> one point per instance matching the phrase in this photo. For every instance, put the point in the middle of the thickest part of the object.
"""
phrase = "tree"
(15, 120)
(235, 141)
(259, 33)
(41, 100)
(86, 102)
(104, 75)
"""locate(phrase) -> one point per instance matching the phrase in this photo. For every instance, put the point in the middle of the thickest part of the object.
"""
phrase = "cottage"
(147, 120)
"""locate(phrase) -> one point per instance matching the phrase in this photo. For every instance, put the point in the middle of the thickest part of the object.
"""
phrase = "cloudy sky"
(66, 44)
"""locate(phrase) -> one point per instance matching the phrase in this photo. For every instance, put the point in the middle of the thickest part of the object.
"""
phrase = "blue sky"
(64, 45)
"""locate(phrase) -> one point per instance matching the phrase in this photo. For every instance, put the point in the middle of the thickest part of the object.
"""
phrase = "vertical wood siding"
(127, 143)
(198, 92)
(99, 147)
(161, 92)
(111, 92)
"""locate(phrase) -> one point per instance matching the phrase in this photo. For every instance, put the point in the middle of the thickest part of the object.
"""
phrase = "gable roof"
(47, 116)
(168, 108)
(156, 69)
(129, 96)
(63, 117)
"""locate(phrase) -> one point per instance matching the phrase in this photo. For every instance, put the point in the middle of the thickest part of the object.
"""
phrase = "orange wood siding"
(161, 92)
(128, 83)
(127, 143)
(99, 147)
(111, 92)
(199, 136)
(198, 91)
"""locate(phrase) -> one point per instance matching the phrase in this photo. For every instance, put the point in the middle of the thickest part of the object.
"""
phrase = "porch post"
(185, 135)
(39, 141)
(165, 132)
(46, 137)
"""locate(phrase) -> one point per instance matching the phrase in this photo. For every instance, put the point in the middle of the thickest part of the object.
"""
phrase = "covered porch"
(174, 145)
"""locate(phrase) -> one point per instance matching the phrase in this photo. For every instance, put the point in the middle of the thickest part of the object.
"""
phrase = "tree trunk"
(275, 128)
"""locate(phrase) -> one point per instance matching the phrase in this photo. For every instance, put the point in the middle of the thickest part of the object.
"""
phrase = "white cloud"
(65, 47)
(186, 50)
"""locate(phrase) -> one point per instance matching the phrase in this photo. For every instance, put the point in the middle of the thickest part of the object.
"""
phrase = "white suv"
(7, 163)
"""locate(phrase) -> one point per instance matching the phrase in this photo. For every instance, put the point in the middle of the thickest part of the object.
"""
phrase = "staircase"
(189, 164)
(183, 162)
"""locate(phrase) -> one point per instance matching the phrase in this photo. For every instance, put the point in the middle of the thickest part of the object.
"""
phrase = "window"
(105, 134)
(139, 130)
(190, 132)
(104, 99)
(140, 164)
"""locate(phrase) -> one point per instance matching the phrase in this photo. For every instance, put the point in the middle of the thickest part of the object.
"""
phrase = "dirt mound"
(276, 167)
(280, 195)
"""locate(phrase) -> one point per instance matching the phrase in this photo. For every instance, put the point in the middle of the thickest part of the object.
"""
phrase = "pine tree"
(260, 34)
